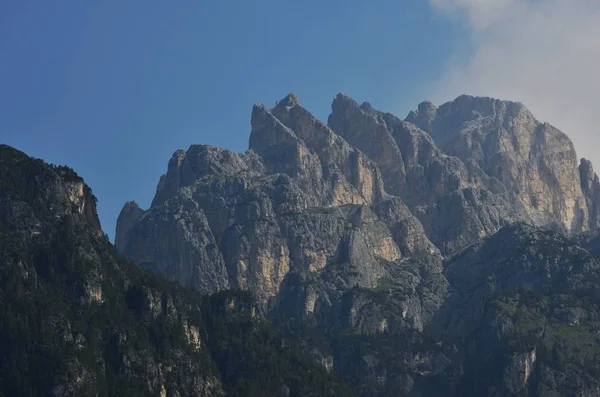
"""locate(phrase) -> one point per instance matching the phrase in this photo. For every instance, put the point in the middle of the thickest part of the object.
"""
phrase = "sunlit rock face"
(474, 165)
(300, 201)
(349, 198)
(535, 163)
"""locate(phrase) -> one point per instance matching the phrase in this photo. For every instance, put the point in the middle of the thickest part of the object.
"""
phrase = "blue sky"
(113, 88)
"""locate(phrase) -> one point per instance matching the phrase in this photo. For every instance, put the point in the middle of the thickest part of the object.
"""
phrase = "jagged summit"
(435, 182)
(290, 100)
(342, 97)
(424, 115)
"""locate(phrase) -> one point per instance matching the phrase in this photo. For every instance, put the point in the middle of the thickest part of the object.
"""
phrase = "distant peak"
(202, 147)
(482, 104)
(341, 97)
(178, 153)
(426, 106)
(587, 174)
(290, 100)
(259, 107)
(424, 115)
(131, 205)
(178, 156)
(343, 102)
(586, 163)
(366, 106)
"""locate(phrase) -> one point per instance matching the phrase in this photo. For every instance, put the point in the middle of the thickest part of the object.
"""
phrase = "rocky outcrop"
(412, 166)
(364, 128)
(590, 185)
(424, 116)
(129, 217)
(324, 165)
(185, 168)
(455, 201)
(181, 246)
(534, 162)
(517, 167)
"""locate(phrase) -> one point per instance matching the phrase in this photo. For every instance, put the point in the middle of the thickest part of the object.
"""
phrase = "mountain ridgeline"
(430, 256)
(348, 198)
(78, 320)
(452, 253)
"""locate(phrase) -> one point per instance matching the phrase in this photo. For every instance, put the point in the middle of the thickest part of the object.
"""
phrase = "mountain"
(453, 253)
(347, 198)
(431, 256)
(78, 320)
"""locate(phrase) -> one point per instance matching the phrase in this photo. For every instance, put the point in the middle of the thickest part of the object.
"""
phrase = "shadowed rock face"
(372, 225)
(590, 185)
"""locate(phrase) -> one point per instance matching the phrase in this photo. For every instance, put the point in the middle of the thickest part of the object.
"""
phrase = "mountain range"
(450, 253)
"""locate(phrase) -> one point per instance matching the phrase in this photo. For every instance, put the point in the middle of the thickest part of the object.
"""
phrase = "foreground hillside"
(77, 320)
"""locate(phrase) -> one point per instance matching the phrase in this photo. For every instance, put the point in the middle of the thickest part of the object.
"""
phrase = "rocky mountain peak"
(289, 101)
(424, 115)
(590, 184)
(267, 130)
(588, 175)
(367, 108)
(128, 218)
(507, 149)
(310, 196)
(364, 127)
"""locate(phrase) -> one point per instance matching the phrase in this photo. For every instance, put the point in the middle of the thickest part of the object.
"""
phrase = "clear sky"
(112, 88)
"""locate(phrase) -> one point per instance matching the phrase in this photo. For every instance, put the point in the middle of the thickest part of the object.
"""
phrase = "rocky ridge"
(358, 226)
(434, 183)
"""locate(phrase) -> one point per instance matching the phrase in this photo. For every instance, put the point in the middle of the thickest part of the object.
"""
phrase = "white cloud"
(543, 53)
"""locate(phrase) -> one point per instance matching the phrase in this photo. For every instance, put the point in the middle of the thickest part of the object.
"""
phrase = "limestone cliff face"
(293, 141)
(180, 246)
(314, 215)
(534, 162)
(455, 201)
(302, 202)
(366, 129)
(474, 165)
